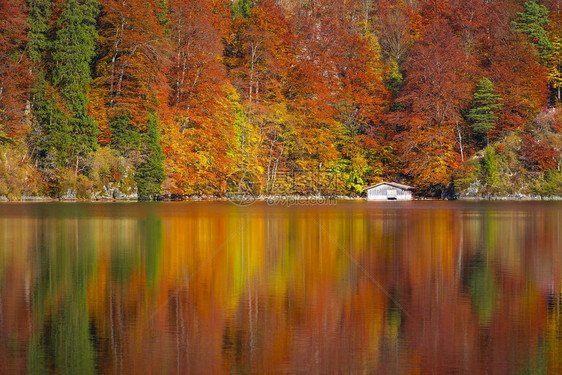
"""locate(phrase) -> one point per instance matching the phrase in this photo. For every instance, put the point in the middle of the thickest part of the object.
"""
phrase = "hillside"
(107, 98)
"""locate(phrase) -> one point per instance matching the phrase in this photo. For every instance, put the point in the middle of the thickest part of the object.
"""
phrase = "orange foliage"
(130, 70)
(198, 132)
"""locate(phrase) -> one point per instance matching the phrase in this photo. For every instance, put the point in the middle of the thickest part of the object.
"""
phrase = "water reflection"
(212, 287)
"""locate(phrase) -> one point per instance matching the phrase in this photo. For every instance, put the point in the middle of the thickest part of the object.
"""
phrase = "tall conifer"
(532, 22)
(485, 104)
(50, 137)
(150, 173)
(74, 49)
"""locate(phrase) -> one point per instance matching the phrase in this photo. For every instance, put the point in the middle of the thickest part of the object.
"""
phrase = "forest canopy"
(171, 97)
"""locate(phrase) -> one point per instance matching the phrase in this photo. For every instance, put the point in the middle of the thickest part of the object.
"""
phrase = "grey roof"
(393, 184)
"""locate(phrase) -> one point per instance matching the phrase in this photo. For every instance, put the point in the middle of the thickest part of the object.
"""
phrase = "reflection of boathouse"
(389, 191)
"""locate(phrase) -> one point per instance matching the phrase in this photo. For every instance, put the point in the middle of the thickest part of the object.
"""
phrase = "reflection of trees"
(64, 335)
(553, 335)
(222, 288)
(61, 338)
(483, 289)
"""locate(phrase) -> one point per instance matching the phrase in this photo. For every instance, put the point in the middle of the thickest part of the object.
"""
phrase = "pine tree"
(555, 66)
(242, 8)
(485, 104)
(39, 14)
(532, 22)
(490, 168)
(150, 173)
(125, 136)
(3, 136)
(74, 49)
(50, 136)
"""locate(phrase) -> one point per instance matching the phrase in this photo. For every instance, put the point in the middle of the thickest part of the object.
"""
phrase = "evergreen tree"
(242, 8)
(39, 14)
(490, 169)
(485, 104)
(162, 12)
(554, 66)
(74, 49)
(150, 173)
(532, 22)
(125, 136)
(3, 136)
(50, 137)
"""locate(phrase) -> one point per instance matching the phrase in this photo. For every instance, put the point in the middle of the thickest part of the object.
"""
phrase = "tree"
(149, 175)
(130, 62)
(435, 92)
(15, 77)
(532, 22)
(517, 74)
(490, 169)
(126, 137)
(39, 16)
(485, 103)
(73, 52)
(554, 66)
(197, 135)
(50, 137)
(242, 8)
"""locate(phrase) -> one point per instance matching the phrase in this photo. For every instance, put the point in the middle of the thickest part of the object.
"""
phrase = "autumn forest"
(150, 98)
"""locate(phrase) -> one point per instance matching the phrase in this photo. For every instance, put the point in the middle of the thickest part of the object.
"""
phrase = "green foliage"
(554, 65)
(50, 137)
(484, 292)
(38, 43)
(532, 22)
(549, 185)
(352, 174)
(73, 51)
(394, 77)
(150, 173)
(152, 227)
(242, 8)
(66, 347)
(125, 135)
(162, 12)
(490, 168)
(3, 136)
(485, 104)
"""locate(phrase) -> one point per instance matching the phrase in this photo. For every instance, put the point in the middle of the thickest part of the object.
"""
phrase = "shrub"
(17, 175)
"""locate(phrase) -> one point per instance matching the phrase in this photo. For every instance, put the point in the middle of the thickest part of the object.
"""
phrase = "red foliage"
(15, 76)
(435, 93)
(538, 155)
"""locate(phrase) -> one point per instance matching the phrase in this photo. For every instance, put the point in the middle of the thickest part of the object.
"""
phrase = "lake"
(212, 287)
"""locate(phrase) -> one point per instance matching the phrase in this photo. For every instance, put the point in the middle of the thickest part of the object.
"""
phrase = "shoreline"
(312, 199)
(511, 198)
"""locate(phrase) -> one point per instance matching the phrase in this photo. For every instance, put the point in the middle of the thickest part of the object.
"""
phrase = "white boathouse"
(389, 191)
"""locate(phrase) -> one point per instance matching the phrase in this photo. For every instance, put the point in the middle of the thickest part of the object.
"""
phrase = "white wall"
(380, 193)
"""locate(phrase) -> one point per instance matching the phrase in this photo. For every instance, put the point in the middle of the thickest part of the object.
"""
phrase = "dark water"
(356, 287)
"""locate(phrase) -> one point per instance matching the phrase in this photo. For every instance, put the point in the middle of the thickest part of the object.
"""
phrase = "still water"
(355, 287)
